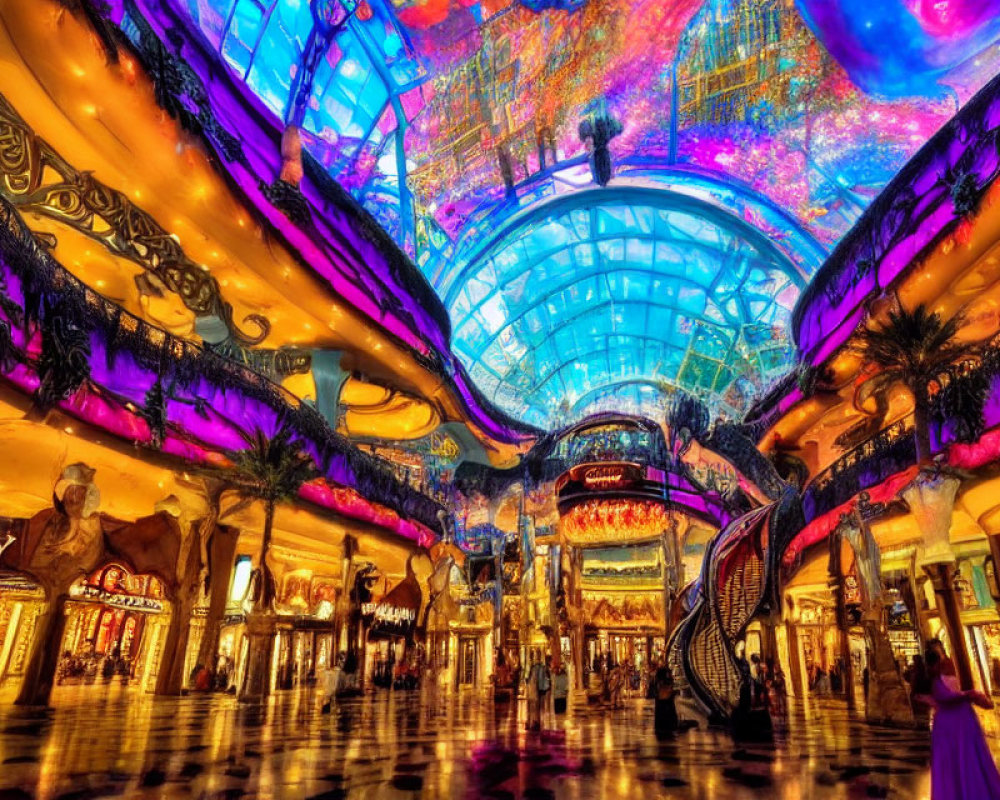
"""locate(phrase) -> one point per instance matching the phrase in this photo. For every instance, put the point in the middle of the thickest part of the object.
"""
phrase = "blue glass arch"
(616, 296)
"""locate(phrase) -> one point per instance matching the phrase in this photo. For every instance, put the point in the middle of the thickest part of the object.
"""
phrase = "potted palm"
(920, 350)
(271, 469)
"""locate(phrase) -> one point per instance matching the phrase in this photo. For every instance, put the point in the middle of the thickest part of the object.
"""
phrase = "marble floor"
(113, 742)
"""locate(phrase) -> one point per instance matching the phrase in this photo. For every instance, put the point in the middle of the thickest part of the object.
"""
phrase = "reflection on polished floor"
(111, 743)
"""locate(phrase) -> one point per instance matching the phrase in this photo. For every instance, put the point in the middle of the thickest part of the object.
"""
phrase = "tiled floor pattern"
(112, 742)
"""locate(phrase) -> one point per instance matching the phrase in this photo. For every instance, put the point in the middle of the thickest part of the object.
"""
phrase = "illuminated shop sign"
(125, 601)
(392, 615)
(19, 584)
(606, 521)
(603, 477)
(610, 480)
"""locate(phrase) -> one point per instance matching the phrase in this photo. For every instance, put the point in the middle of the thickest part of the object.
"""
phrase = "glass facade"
(356, 83)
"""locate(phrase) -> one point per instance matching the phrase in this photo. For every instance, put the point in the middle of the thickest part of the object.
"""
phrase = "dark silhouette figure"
(749, 721)
(506, 171)
(600, 131)
(665, 709)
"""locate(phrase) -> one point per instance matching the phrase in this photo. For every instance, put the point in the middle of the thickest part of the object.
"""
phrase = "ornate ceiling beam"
(34, 177)
(77, 199)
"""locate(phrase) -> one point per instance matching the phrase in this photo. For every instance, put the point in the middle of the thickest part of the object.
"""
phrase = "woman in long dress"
(615, 686)
(665, 709)
(962, 767)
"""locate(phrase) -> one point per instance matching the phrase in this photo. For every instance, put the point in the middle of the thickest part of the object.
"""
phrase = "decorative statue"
(887, 697)
(440, 601)
(868, 559)
(291, 156)
(58, 546)
(69, 541)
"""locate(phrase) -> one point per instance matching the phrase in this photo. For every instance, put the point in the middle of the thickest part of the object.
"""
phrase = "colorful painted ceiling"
(455, 122)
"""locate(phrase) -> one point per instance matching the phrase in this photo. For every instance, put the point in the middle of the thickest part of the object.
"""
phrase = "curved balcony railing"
(209, 399)
(889, 452)
(607, 437)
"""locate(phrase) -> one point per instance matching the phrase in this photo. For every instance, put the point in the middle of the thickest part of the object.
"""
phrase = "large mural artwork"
(623, 610)
(513, 86)
(809, 103)
(814, 104)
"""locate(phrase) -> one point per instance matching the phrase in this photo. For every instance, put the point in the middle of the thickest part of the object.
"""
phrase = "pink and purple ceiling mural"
(813, 104)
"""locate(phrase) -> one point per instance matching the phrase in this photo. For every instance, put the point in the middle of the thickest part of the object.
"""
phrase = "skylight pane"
(244, 29)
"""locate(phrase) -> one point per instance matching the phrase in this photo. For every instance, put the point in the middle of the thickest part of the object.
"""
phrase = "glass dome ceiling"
(459, 122)
(612, 296)
(353, 61)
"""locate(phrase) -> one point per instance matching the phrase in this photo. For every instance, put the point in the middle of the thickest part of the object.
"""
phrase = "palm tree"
(271, 469)
(918, 350)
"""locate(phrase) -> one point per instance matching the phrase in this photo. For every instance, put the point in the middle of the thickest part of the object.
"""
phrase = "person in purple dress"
(962, 767)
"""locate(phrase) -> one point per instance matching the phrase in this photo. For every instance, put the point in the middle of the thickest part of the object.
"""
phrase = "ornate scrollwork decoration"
(275, 364)
(106, 215)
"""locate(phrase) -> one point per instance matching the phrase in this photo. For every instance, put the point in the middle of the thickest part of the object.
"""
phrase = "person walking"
(222, 674)
(920, 685)
(665, 704)
(822, 687)
(779, 693)
(502, 679)
(531, 693)
(333, 678)
(203, 680)
(539, 682)
(606, 667)
(962, 766)
(615, 681)
(756, 680)
(560, 689)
